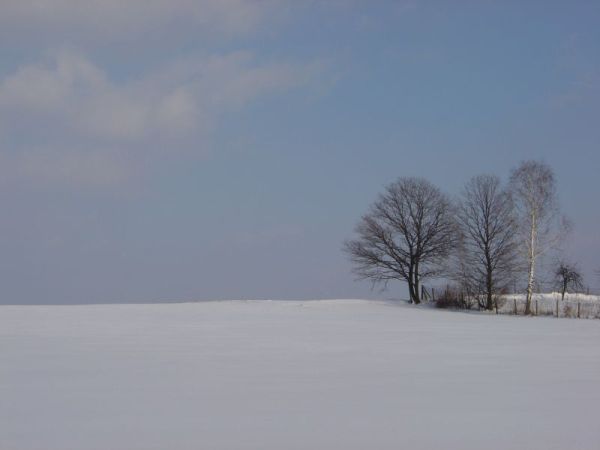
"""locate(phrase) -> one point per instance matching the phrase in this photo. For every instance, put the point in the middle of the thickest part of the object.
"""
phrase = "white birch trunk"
(532, 261)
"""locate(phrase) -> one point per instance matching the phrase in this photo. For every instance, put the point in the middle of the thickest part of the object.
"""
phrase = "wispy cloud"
(115, 19)
(69, 102)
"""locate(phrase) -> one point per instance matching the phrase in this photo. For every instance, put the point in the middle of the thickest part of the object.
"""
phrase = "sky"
(173, 150)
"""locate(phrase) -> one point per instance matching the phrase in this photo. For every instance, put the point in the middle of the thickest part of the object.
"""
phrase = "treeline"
(485, 240)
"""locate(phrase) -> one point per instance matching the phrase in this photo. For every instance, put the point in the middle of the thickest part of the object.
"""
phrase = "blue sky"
(177, 150)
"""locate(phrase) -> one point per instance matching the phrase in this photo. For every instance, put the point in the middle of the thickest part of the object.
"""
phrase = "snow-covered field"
(275, 375)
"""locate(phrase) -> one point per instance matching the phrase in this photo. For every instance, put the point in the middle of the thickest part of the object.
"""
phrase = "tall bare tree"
(407, 234)
(567, 275)
(534, 191)
(488, 225)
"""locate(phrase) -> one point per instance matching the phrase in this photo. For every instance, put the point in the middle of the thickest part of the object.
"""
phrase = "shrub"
(454, 298)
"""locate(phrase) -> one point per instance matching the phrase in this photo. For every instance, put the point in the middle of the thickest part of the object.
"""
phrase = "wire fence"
(576, 306)
(573, 305)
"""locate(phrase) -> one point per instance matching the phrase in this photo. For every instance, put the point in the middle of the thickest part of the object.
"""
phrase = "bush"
(453, 298)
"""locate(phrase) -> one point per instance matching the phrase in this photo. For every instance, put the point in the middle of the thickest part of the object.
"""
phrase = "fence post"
(423, 292)
(578, 310)
(536, 307)
(556, 308)
(515, 304)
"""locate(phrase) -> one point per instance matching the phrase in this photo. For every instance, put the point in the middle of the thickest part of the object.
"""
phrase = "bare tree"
(534, 192)
(407, 234)
(488, 226)
(460, 270)
(567, 275)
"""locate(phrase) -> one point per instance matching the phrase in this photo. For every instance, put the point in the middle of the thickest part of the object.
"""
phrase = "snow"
(588, 305)
(553, 296)
(344, 374)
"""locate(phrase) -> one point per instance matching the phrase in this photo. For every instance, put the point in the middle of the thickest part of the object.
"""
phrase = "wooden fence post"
(536, 307)
(578, 310)
(515, 304)
(557, 308)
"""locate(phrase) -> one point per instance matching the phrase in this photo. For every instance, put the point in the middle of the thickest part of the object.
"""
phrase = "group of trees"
(484, 240)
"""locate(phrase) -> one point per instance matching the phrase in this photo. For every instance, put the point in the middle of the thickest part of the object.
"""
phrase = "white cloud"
(110, 19)
(185, 97)
(69, 102)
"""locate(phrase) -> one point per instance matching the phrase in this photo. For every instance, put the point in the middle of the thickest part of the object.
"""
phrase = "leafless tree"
(460, 270)
(567, 275)
(488, 226)
(407, 234)
(534, 191)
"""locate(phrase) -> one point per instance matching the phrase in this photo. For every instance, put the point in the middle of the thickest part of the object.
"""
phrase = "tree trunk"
(489, 283)
(414, 297)
(412, 288)
(416, 283)
(529, 288)
(531, 255)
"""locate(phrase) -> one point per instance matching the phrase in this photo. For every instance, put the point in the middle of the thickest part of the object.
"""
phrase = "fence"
(427, 294)
(577, 306)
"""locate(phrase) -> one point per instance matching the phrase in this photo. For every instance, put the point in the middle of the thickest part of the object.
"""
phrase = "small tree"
(488, 225)
(534, 192)
(407, 235)
(567, 275)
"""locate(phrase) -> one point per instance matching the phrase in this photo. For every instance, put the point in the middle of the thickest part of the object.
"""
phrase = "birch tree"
(406, 235)
(534, 191)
